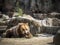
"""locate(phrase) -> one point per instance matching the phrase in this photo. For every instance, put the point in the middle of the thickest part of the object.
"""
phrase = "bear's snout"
(26, 32)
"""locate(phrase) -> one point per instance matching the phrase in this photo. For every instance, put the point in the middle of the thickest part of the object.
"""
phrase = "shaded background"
(40, 6)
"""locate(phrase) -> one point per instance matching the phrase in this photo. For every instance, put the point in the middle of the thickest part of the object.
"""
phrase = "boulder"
(56, 38)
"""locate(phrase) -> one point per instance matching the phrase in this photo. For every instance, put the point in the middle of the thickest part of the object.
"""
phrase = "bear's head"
(23, 28)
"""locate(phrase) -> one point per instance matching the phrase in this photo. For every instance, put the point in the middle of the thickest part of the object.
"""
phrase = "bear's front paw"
(29, 36)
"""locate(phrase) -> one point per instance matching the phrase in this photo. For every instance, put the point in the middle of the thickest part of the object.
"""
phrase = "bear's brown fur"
(21, 30)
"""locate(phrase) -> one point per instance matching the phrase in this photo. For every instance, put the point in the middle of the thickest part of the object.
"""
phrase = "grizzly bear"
(20, 30)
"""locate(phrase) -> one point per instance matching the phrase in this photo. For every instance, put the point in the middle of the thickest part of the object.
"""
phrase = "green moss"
(19, 10)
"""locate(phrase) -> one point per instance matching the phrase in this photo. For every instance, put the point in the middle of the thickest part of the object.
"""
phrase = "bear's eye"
(23, 29)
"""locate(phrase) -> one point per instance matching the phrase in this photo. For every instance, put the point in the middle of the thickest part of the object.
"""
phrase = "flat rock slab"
(23, 41)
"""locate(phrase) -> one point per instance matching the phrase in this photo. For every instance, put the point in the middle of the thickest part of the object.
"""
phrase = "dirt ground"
(41, 40)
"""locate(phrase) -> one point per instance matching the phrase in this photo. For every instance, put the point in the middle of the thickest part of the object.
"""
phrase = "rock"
(55, 22)
(5, 16)
(52, 21)
(56, 38)
(54, 15)
(28, 16)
